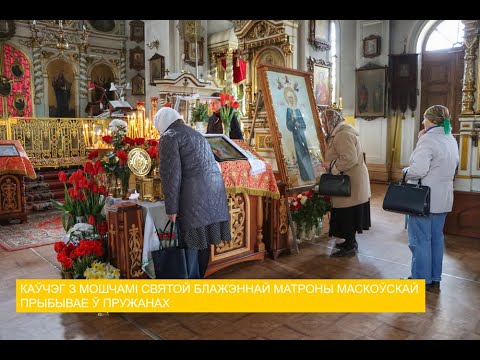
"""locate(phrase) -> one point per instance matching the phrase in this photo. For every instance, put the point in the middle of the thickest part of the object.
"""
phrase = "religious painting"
(319, 34)
(157, 68)
(138, 85)
(223, 148)
(17, 69)
(137, 30)
(370, 91)
(137, 58)
(193, 49)
(61, 89)
(102, 76)
(322, 80)
(371, 46)
(294, 122)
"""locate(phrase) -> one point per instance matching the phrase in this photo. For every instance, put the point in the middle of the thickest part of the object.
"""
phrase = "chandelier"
(58, 37)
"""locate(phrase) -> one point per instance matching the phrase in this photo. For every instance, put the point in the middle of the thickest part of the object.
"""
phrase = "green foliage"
(200, 113)
(307, 214)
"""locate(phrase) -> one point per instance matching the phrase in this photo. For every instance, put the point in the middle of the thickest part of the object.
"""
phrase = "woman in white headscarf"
(193, 186)
(344, 153)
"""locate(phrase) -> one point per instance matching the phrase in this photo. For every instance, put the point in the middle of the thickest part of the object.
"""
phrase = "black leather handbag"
(334, 185)
(411, 199)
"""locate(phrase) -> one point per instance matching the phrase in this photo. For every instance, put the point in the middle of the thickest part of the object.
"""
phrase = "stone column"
(229, 71)
(469, 87)
(123, 67)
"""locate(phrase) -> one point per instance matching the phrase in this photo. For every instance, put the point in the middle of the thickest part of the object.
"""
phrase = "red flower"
(235, 104)
(328, 198)
(107, 138)
(91, 220)
(93, 155)
(102, 228)
(88, 167)
(139, 141)
(152, 142)
(59, 246)
(122, 156)
(62, 176)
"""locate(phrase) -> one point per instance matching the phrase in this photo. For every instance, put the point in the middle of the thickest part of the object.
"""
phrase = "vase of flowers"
(200, 116)
(228, 108)
(307, 210)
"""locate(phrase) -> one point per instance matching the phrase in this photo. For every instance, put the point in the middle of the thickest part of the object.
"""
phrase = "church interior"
(64, 82)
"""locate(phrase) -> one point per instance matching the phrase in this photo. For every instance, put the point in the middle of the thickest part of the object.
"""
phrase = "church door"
(442, 74)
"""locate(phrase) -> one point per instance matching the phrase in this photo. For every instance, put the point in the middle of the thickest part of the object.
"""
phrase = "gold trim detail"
(139, 162)
(135, 252)
(8, 194)
(464, 158)
(239, 207)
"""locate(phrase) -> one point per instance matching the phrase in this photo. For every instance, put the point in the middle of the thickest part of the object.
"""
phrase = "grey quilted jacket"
(191, 179)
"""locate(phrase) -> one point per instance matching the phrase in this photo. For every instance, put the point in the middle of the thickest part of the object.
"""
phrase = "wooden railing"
(54, 142)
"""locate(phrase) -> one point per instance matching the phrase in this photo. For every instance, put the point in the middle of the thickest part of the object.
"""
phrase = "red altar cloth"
(237, 178)
(15, 164)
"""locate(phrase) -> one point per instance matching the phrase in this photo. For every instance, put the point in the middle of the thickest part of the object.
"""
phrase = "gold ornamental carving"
(135, 252)
(237, 207)
(283, 215)
(471, 44)
(9, 195)
(238, 24)
(139, 162)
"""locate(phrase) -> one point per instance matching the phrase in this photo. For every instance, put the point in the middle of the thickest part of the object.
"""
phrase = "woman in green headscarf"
(434, 161)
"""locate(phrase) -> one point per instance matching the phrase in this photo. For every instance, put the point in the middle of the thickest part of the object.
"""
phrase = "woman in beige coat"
(350, 215)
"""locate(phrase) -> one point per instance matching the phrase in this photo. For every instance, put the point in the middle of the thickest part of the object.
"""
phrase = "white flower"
(303, 200)
(117, 125)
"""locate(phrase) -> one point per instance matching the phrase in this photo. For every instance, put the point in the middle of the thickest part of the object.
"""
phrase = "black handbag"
(171, 261)
(334, 185)
(410, 199)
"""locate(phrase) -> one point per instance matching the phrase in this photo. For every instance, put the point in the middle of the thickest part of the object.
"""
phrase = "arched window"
(448, 34)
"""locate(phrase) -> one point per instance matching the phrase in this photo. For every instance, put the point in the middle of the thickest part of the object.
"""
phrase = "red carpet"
(42, 228)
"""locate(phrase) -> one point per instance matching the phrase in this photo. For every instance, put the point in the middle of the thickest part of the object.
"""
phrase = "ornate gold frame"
(273, 122)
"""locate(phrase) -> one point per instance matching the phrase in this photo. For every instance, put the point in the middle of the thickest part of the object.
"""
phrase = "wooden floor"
(452, 313)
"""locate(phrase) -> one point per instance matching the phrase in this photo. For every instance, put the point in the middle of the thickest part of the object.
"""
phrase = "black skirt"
(345, 222)
(201, 237)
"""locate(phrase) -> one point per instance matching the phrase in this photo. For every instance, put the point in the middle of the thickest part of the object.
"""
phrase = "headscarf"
(332, 118)
(439, 115)
(165, 117)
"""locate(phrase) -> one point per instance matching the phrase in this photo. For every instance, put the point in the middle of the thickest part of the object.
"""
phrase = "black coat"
(191, 178)
(215, 126)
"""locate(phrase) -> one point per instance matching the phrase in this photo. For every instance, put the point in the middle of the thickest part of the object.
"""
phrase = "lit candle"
(340, 103)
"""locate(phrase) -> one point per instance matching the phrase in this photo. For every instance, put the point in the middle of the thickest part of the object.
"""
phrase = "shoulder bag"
(334, 185)
(404, 198)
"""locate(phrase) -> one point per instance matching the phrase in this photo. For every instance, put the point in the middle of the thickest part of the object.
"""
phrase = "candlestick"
(340, 103)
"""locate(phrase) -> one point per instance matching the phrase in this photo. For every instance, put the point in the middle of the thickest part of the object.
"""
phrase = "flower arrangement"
(115, 161)
(86, 195)
(308, 208)
(101, 270)
(76, 259)
(228, 108)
